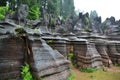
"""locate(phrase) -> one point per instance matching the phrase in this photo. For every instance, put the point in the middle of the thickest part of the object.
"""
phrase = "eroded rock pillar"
(47, 63)
(87, 55)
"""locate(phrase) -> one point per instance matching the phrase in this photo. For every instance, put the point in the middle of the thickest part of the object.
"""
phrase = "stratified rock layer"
(86, 54)
(101, 47)
(11, 58)
(47, 63)
(113, 53)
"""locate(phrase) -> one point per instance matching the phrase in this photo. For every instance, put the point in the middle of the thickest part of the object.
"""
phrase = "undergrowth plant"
(70, 55)
(71, 76)
(117, 65)
(25, 73)
(88, 70)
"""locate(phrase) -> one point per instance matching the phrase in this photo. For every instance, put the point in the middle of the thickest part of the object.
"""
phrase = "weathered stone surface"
(58, 76)
(58, 43)
(86, 54)
(21, 14)
(44, 30)
(101, 47)
(11, 58)
(48, 62)
(118, 47)
(92, 57)
(113, 53)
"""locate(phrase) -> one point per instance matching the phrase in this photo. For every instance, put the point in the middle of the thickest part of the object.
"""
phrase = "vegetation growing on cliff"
(25, 74)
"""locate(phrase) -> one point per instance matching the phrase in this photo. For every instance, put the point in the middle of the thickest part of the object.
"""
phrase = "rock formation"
(48, 64)
(26, 45)
(92, 43)
(12, 52)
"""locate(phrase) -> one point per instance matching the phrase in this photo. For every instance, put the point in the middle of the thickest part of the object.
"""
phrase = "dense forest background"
(37, 8)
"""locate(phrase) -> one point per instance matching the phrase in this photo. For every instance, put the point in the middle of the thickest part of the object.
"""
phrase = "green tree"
(52, 7)
(3, 2)
(68, 8)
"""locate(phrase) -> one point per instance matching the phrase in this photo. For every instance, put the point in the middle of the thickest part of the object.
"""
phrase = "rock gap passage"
(45, 44)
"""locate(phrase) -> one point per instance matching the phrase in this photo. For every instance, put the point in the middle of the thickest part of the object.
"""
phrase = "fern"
(25, 74)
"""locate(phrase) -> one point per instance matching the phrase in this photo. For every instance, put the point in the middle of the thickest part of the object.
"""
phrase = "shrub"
(2, 16)
(52, 21)
(70, 55)
(3, 11)
(86, 28)
(88, 70)
(34, 12)
(117, 65)
(25, 74)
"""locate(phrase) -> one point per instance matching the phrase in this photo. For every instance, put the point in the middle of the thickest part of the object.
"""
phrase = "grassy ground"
(111, 74)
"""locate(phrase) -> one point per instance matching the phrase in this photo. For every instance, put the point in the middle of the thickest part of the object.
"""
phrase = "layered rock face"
(48, 59)
(118, 47)
(87, 55)
(11, 58)
(113, 53)
(48, 64)
(101, 47)
(19, 45)
(57, 43)
(12, 52)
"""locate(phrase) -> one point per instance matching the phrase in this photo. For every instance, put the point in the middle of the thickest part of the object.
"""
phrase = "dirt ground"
(111, 74)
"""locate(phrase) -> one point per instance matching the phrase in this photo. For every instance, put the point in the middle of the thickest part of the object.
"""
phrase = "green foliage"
(2, 16)
(25, 74)
(52, 21)
(11, 12)
(117, 65)
(70, 55)
(88, 70)
(86, 20)
(3, 11)
(34, 12)
(86, 28)
(71, 76)
(67, 8)
(49, 41)
(52, 7)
